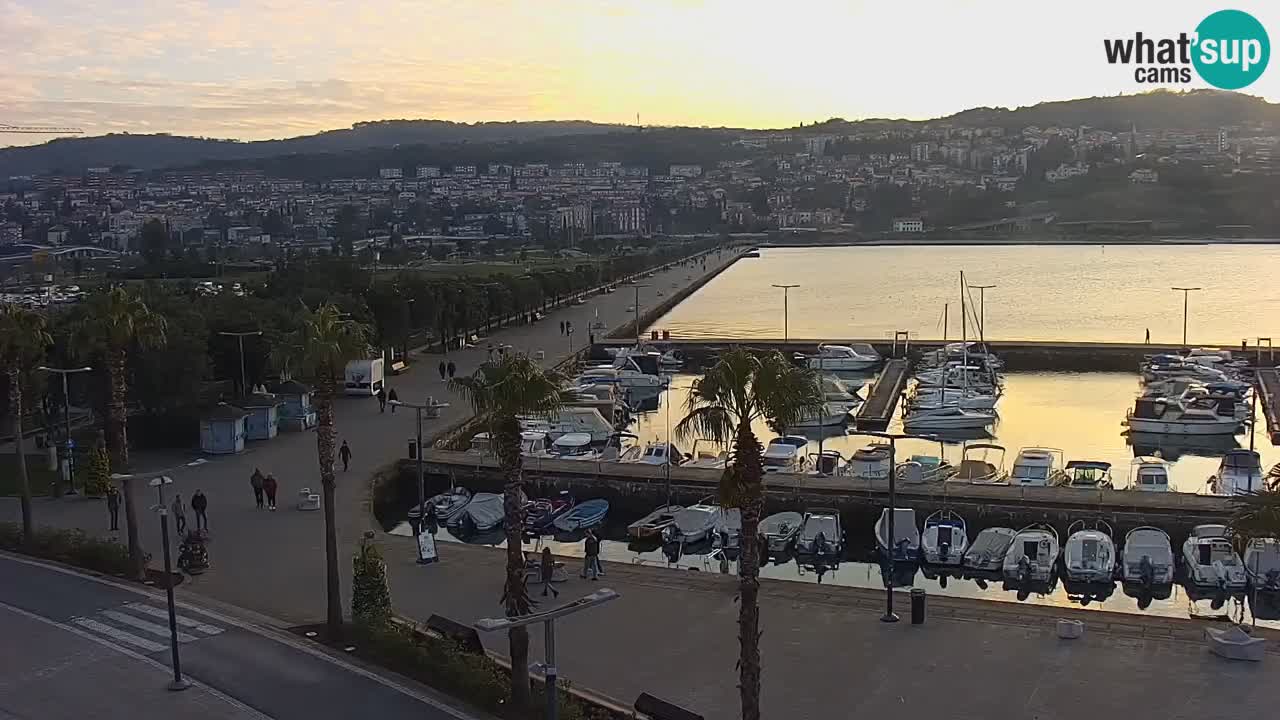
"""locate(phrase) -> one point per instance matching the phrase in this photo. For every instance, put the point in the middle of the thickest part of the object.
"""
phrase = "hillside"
(73, 155)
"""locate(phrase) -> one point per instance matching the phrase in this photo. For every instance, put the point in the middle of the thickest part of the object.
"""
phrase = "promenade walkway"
(673, 633)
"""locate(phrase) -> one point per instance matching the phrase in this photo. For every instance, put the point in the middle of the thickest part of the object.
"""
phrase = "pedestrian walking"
(382, 400)
(179, 514)
(548, 569)
(113, 506)
(561, 327)
(200, 504)
(1148, 340)
(256, 481)
(269, 486)
(344, 453)
(452, 369)
(591, 556)
(393, 398)
(444, 368)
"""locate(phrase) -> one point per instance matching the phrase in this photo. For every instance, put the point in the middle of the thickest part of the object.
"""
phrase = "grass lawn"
(41, 478)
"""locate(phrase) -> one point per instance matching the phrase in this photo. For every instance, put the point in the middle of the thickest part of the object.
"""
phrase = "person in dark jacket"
(113, 506)
(591, 557)
(200, 504)
(256, 481)
(393, 398)
(452, 369)
(548, 569)
(269, 486)
(344, 453)
(382, 400)
(444, 369)
(179, 514)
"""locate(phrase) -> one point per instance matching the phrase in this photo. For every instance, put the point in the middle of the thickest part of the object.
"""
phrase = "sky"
(280, 68)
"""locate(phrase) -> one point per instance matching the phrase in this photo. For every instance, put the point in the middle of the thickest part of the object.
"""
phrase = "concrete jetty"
(1268, 388)
(883, 398)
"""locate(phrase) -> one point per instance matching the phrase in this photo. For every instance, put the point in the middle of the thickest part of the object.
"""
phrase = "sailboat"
(942, 415)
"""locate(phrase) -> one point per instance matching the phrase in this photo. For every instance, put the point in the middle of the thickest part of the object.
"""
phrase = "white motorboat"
(707, 454)
(1262, 563)
(786, 454)
(653, 453)
(977, 467)
(1090, 553)
(727, 533)
(831, 415)
(1147, 558)
(639, 370)
(959, 376)
(906, 534)
(871, 462)
(780, 530)
(571, 419)
(533, 443)
(1087, 474)
(945, 539)
(573, 446)
(483, 513)
(932, 398)
(693, 523)
(1036, 466)
(1149, 474)
(1210, 559)
(1174, 417)
(1239, 473)
(821, 534)
(446, 505)
(947, 418)
(1033, 555)
(986, 552)
(843, 357)
(925, 469)
(654, 523)
(835, 390)
(827, 462)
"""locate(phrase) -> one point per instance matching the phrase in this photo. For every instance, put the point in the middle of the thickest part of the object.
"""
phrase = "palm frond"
(511, 386)
(324, 342)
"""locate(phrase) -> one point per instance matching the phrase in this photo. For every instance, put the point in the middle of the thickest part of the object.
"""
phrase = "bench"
(308, 500)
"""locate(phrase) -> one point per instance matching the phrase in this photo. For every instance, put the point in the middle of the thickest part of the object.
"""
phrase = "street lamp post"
(158, 480)
(982, 310)
(637, 309)
(1186, 294)
(889, 616)
(431, 407)
(66, 418)
(240, 336)
(786, 337)
(548, 619)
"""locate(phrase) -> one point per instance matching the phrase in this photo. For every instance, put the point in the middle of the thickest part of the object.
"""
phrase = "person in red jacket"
(269, 486)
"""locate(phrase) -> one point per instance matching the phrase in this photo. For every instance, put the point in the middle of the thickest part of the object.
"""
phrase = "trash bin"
(666, 334)
(653, 334)
(917, 606)
(413, 449)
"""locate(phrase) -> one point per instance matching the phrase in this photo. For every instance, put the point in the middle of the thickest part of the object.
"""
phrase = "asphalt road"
(76, 647)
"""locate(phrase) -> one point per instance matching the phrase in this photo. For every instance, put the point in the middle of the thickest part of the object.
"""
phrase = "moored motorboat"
(1262, 563)
(1147, 558)
(574, 446)
(1211, 561)
(1176, 417)
(780, 530)
(1033, 555)
(831, 414)
(820, 534)
(785, 454)
(653, 453)
(727, 533)
(482, 514)
(945, 538)
(905, 543)
(540, 514)
(652, 525)
(1089, 555)
(1037, 466)
(947, 418)
(925, 469)
(986, 552)
(1239, 473)
(447, 505)
(693, 523)
(1148, 474)
(871, 462)
(584, 515)
(979, 467)
(1087, 474)
(843, 357)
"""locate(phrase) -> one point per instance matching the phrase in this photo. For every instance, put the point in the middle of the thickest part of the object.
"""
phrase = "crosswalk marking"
(153, 628)
(183, 621)
(117, 634)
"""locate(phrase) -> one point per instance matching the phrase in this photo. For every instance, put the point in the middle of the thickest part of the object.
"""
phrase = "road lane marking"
(164, 615)
(118, 634)
(153, 628)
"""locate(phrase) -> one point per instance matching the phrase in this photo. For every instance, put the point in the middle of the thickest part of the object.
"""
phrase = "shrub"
(96, 472)
(370, 595)
(72, 547)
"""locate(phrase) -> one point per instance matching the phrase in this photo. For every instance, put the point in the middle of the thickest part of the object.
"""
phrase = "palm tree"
(722, 405)
(114, 323)
(500, 391)
(318, 351)
(23, 342)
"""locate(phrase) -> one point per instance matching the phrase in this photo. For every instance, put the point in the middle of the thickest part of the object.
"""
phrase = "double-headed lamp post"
(66, 412)
(889, 616)
(240, 336)
(158, 480)
(431, 407)
(548, 619)
(786, 337)
(1186, 294)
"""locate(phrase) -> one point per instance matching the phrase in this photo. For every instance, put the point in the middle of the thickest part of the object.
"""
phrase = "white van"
(364, 377)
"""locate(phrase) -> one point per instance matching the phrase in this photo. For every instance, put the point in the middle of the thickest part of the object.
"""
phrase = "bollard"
(917, 606)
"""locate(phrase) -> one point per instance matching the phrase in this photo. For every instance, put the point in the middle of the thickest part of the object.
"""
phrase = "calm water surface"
(1082, 293)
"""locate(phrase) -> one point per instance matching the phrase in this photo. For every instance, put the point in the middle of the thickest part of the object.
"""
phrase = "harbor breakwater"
(632, 328)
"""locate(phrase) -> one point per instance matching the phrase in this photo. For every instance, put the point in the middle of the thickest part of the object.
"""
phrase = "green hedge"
(442, 664)
(72, 547)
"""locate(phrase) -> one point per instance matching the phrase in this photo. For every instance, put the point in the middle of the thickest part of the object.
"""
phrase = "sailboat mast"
(945, 320)
(964, 340)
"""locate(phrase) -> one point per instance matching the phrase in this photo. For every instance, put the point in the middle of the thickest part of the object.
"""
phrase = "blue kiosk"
(263, 421)
(222, 430)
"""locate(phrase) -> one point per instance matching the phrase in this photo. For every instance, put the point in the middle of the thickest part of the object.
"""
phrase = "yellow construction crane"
(39, 129)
